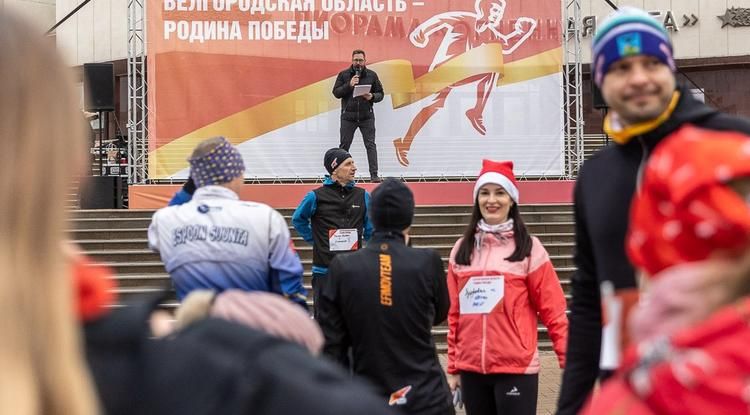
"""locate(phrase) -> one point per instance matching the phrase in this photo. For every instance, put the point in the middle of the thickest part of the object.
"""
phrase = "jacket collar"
(487, 238)
(214, 192)
(622, 135)
(688, 110)
(328, 181)
(386, 236)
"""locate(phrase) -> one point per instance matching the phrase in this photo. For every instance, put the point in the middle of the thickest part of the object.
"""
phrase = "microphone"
(356, 72)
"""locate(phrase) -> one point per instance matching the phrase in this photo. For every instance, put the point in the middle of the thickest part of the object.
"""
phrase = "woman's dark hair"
(520, 236)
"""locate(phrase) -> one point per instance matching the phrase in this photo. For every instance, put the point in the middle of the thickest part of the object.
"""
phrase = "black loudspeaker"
(101, 192)
(99, 86)
(596, 94)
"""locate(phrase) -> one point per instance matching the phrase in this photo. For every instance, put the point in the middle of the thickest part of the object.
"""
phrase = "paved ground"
(549, 383)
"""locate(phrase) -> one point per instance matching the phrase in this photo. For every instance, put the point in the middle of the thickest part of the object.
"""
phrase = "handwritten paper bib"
(481, 294)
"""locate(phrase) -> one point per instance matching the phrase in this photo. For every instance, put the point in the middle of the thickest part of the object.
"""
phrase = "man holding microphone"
(356, 108)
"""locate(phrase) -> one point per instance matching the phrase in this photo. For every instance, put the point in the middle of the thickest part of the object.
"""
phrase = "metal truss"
(572, 87)
(137, 88)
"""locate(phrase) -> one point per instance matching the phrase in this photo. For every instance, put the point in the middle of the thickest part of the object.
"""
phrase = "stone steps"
(559, 250)
(417, 240)
(142, 221)
(118, 238)
(90, 229)
(131, 261)
(156, 279)
(287, 212)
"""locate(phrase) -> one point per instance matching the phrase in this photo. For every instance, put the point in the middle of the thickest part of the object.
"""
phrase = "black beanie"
(391, 206)
(334, 157)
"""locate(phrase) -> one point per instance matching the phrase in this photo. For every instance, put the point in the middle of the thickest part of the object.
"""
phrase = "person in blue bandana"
(217, 241)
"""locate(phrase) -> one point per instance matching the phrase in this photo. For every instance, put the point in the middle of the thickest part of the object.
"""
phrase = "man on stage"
(356, 108)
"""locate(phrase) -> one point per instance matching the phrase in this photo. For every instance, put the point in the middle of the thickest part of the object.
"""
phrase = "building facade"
(711, 41)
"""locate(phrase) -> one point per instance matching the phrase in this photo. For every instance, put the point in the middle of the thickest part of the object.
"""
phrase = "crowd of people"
(660, 308)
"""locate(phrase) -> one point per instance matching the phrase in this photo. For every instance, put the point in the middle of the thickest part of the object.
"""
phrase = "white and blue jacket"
(219, 242)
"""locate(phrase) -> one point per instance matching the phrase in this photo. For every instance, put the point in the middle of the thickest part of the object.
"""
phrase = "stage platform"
(425, 193)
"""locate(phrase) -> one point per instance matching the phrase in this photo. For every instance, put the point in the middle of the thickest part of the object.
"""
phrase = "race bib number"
(343, 240)
(616, 306)
(481, 294)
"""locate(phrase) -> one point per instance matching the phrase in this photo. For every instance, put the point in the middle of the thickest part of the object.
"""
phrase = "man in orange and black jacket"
(382, 301)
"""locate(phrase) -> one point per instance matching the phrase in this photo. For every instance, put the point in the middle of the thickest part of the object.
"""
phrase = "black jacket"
(337, 207)
(357, 108)
(603, 193)
(214, 367)
(383, 301)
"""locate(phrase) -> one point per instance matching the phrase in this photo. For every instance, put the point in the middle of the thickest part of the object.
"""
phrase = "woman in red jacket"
(499, 279)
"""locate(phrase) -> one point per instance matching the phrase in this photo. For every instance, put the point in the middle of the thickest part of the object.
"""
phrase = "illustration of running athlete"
(464, 31)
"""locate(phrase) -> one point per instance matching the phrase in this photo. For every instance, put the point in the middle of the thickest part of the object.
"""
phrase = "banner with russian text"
(463, 79)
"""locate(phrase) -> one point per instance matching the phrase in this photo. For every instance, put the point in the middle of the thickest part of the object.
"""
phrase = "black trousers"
(367, 128)
(318, 282)
(499, 394)
(317, 285)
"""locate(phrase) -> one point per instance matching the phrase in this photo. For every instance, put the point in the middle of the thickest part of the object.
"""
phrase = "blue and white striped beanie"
(629, 32)
(221, 165)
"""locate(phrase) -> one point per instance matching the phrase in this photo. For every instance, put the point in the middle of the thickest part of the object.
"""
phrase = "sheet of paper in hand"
(361, 90)
(343, 240)
(481, 294)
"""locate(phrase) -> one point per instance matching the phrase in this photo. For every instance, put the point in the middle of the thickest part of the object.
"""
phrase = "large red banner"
(464, 79)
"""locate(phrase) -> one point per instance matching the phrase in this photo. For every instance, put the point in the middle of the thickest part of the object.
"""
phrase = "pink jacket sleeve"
(453, 312)
(548, 299)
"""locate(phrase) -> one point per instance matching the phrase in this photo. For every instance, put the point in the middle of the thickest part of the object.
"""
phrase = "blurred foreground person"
(382, 301)
(262, 311)
(211, 367)
(690, 237)
(41, 357)
(633, 65)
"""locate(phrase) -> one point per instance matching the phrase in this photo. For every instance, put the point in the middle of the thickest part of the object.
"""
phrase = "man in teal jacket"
(333, 218)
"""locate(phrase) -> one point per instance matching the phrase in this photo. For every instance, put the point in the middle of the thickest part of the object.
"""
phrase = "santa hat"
(499, 173)
(684, 211)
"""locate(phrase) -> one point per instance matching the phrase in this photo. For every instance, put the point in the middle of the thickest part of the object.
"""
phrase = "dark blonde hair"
(206, 146)
(41, 356)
